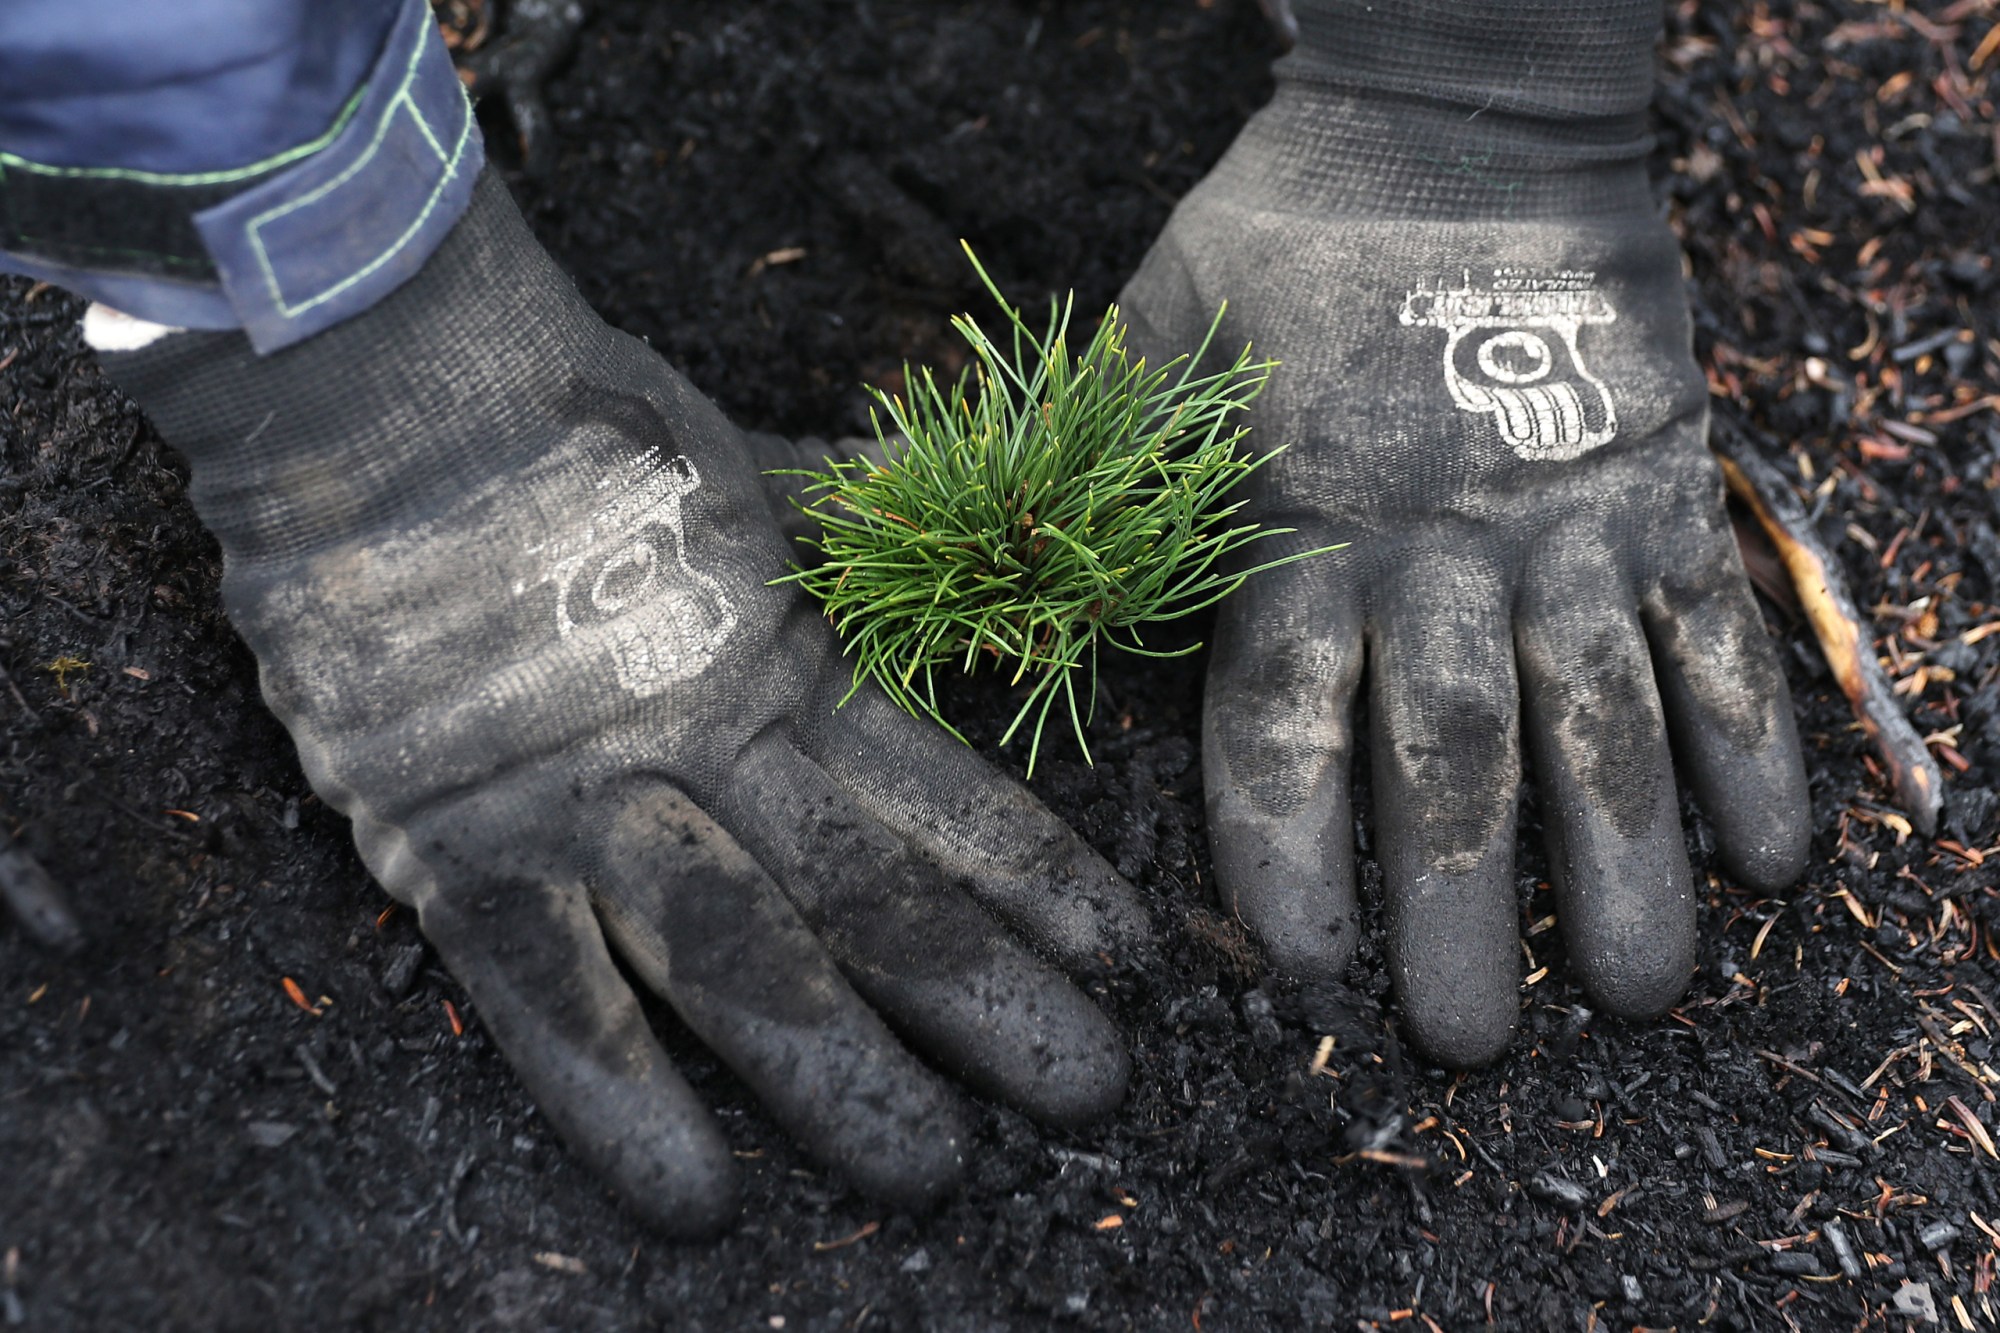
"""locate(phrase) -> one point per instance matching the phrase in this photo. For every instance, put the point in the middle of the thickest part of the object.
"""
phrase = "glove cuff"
(369, 426)
(1461, 109)
(1584, 63)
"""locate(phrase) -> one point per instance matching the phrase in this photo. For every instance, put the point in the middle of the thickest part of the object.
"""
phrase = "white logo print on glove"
(1510, 351)
(626, 580)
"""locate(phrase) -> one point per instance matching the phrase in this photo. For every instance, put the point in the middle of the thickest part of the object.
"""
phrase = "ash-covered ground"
(772, 193)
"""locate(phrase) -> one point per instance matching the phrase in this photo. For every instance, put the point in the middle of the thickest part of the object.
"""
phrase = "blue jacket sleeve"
(270, 165)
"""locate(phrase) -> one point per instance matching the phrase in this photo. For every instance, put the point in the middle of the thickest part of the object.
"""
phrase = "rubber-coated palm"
(1492, 398)
(507, 576)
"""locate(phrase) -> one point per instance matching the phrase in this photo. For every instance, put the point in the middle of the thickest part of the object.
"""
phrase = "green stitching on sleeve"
(272, 163)
(400, 102)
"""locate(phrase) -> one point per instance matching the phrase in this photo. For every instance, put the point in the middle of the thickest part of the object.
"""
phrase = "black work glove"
(1441, 228)
(506, 576)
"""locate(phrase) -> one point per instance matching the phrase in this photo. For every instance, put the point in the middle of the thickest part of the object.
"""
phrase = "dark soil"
(771, 192)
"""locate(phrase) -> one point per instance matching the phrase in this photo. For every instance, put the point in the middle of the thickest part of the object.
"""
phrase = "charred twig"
(914, 241)
(1835, 620)
(1279, 12)
(33, 897)
(26, 709)
(1955, 1053)
(1792, 1067)
(459, 1171)
(536, 37)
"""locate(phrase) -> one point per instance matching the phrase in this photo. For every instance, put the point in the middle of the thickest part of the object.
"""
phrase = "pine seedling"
(1042, 504)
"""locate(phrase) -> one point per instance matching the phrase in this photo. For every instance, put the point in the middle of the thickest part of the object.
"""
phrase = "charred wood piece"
(33, 898)
(1836, 622)
(536, 38)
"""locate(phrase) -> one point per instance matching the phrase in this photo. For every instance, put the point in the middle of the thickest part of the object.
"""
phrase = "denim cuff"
(280, 249)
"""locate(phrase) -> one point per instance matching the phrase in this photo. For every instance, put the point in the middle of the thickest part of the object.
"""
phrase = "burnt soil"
(771, 192)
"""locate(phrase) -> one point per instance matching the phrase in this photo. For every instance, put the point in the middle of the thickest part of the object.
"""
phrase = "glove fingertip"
(1065, 1064)
(1292, 892)
(1308, 953)
(543, 983)
(1767, 849)
(915, 1173)
(684, 1191)
(1462, 1036)
(1109, 915)
(1086, 1082)
(1642, 984)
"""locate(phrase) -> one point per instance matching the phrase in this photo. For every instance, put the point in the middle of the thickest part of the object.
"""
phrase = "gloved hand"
(1441, 228)
(506, 575)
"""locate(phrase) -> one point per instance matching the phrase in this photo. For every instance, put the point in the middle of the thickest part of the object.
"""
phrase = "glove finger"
(938, 969)
(1277, 748)
(1609, 807)
(1730, 714)
(705, 927)
(1445, 732)
(984, 830)
(545, 986)
(778, 459)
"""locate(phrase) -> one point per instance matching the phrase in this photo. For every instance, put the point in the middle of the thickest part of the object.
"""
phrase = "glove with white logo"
(507, 577)
(1441, 228)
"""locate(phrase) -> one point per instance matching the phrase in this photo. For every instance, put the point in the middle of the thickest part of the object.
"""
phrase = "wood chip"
(1972, 1126)
(867, 1229)
(1757, 945)
(298, 996)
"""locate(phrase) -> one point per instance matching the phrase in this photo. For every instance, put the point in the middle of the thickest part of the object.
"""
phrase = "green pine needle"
(1041, 504)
